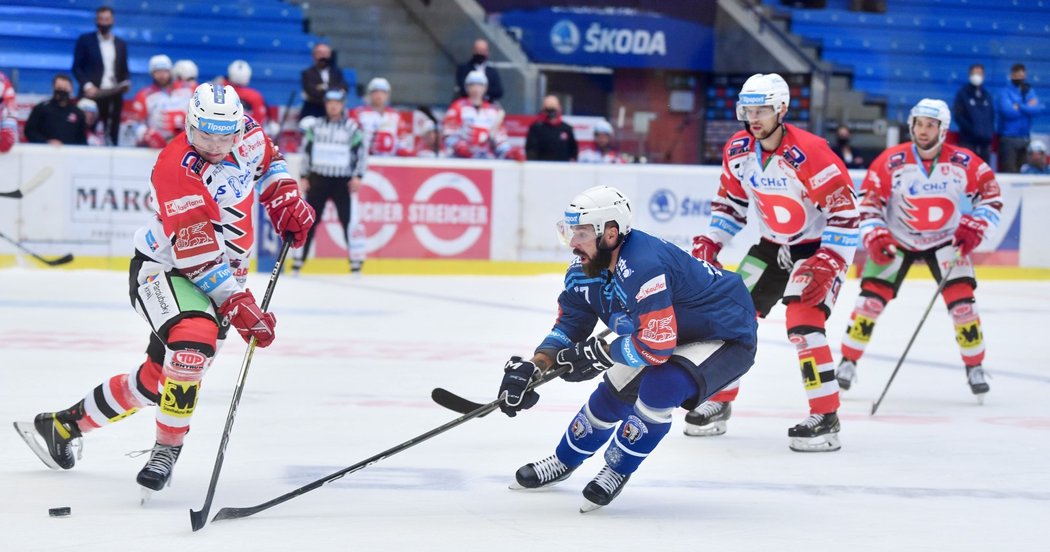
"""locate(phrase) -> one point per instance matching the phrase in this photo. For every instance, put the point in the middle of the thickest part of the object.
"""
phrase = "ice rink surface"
(351, 373)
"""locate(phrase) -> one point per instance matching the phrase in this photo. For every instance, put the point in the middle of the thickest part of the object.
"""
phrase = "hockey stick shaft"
(200, 517)
(67, 258)
(915, 334)
(456, 403)
(30, 185)
(235, 513)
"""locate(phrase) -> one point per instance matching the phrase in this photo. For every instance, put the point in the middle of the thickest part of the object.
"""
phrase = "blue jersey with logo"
(656, 297)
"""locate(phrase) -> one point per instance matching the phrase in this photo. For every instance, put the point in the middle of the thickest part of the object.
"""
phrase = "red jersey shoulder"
(178, 158)
(739, 144)
(893, 157)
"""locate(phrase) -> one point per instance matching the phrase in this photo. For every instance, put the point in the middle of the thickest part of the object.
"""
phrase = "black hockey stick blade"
(236, 513)
(17, 194)
(65, 259)
(454, 402)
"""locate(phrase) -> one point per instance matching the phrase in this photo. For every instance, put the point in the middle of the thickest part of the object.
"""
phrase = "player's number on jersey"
(710, 268)
(586, 291)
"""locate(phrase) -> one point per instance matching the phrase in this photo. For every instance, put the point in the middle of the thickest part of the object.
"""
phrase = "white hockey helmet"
(215, 110)
(87, 105)
(594, 207)
(934, 109)
(378, 83)
(603, 127)
(476, 77)
(184, 70)
(159, 62)
(769, 89)
(239, 72)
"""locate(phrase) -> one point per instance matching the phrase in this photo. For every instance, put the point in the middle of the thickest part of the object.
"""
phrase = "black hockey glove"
(587, 358)
(518, 373)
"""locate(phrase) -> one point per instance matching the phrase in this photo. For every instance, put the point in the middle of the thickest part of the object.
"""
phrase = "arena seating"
(37, 39)
(923, 48)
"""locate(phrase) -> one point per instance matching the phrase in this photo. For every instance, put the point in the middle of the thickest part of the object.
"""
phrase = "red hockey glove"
(822, 268)
(516, 154)
(153, 139)
(969, 234)
(880, 245)
(706, 249)
(290, 213)
(8, 135)
(249, 320)
(462, 149)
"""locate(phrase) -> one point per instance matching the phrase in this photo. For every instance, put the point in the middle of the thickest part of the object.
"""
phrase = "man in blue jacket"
(1017, 106)
(974, 112)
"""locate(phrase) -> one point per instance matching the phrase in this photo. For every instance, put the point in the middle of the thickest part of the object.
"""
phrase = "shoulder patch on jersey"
(622, 269)
(183, 204)
(794, 157)
(825, 176)
(193, 163)
(983, 169)
(838, 199)
(960, 158)
(659, 327)
(739, 146)
(250, 124)
(193, 236)
(896, 160)
(653, 286)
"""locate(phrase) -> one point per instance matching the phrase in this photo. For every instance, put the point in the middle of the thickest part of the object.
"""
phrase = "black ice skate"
(546, 472)
(356, 266)
(978, 385)
(156, 474)
(817, 433)
(52, 436)
(846, 374)
(603, 489)
(708, 419)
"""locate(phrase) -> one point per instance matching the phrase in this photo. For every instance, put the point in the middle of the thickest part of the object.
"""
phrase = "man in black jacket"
(974, 112)
(100, 64)
(479, 62)
(58, 120)
(318, 79)
(550, 138)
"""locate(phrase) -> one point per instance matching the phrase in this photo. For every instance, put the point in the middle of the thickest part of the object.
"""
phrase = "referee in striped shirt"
(335, 157)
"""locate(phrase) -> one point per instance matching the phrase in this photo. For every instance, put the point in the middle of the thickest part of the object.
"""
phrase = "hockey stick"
(67, 258)
(456, 403)
(940, 288)
(199, 517)
(235, 513)
(30, 184)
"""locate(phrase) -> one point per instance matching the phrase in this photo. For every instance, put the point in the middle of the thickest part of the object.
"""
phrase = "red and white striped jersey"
(921, 202)
(802, 192)
(478, 127)
(162, 110)
(595, 155)
(8, 125)
(387, 132)
(203, 224)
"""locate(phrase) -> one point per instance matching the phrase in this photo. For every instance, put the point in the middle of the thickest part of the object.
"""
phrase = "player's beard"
(594, 266)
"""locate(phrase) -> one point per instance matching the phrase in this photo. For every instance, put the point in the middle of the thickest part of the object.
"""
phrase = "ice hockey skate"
(975, 376)
(708, 419)
(817, 433)
(846, 374)
(544, 473)
(156, 474)
(53, 436)
(603, 489)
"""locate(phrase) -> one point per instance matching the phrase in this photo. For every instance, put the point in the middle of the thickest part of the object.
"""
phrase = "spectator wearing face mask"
(550, 138)
(479, 62)
(845, 151)
(318, 79)
(57, 121)
(100, 64)
(1017, 106)
(1036, 159)
(974, 112)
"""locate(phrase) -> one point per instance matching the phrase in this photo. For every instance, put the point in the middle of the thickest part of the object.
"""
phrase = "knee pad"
(877, 290)
(802, 319)
(190, 349)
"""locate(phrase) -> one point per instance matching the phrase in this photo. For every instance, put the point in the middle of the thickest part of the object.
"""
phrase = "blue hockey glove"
(518, 373)
(587, 358)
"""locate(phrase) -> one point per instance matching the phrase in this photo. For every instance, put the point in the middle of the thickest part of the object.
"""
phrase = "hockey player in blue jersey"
(685, 330)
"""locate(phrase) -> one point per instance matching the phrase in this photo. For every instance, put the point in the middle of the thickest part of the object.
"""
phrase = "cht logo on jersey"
(662, 205)
(565, 37)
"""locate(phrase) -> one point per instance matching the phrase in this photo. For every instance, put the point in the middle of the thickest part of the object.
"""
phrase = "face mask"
(843, 141)
(976, 79)
(478, 59)
(61, 96)
(323, 62)
(104, 29)
(1017, 82)
(551, 113)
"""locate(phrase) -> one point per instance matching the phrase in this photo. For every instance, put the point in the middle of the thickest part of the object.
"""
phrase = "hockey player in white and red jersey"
(187, 278)
(473, 127)
(930, 201)
(809, 225)
(8, 124)
(602, 151)
(159, 110)
(387, 133)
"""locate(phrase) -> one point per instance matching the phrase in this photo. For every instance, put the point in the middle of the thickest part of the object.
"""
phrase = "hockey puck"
(59, 512)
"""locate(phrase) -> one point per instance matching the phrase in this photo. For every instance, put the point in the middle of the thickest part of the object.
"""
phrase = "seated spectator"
(8, 124)
(473, 127)
(96, 134)
(603, 150)
(386, 132)
(1017, 105)
(1036, 159)
(550, 138)
(479, 62)
(318, 79)
(845, 151)
(158, 111)
(57, 120)
(239, 76)
(186, 74)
